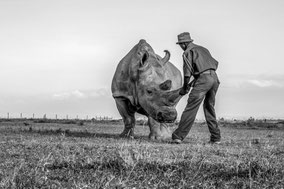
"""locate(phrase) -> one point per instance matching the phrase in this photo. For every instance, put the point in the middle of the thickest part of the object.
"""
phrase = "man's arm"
(187, 72)
(185, 89)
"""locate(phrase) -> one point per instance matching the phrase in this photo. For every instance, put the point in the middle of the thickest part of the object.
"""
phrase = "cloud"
(99, 92)
(77, 94)
(264, 83)
(248, 81)
(67, 95)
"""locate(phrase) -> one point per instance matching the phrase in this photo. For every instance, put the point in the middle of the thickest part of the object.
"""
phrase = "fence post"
(8, 116)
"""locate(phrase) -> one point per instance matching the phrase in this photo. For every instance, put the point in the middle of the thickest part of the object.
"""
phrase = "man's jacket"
(197, 59)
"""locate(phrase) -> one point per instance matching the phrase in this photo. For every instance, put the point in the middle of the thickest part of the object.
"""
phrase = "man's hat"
(184, 37)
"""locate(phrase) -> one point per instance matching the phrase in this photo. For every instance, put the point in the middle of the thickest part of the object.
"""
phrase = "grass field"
(91, 155)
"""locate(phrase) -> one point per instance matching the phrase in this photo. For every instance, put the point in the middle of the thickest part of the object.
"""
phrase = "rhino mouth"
(166, 114)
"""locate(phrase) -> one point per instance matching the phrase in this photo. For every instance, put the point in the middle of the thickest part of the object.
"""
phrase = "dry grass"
(51, 155)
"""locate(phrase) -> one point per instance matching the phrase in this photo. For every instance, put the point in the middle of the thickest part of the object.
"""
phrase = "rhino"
(147, 84)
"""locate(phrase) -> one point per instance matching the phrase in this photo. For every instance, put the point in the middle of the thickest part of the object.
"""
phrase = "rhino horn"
(174, 96)
(167, 57)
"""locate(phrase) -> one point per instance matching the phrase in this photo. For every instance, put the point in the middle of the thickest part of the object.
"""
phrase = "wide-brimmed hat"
(184, 37)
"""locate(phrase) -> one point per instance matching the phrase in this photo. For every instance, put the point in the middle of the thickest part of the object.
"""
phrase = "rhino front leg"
(127, 114)
(158, 130)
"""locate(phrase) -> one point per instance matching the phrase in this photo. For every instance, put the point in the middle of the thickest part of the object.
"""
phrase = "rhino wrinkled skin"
(147, 84)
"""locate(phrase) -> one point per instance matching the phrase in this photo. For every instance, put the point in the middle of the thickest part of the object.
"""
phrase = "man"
(198, 62)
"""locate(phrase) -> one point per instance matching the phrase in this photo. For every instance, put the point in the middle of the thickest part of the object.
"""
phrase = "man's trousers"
(205, 88)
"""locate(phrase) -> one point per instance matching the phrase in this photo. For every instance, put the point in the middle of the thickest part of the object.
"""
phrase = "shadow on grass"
(162, 175)
(78, 134)
(85, 134)
(185, 169)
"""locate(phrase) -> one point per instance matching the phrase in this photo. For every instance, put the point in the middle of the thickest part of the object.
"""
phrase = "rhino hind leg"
(158, 131)
(127, 113)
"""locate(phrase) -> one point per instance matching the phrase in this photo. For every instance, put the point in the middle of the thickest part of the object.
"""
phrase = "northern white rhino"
(147, 84)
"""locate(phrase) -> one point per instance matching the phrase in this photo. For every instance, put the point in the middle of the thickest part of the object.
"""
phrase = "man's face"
(183, 46)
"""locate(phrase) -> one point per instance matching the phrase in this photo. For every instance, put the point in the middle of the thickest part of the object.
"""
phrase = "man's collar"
(190, 46)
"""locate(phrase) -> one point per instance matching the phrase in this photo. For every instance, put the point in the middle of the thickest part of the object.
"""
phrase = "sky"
(58, 57)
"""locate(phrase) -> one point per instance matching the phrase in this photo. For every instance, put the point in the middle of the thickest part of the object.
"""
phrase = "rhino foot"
(155, 137)
(127, 133)
(158, 131)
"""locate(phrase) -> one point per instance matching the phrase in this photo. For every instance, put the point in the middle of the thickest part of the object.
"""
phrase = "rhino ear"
(144, 59)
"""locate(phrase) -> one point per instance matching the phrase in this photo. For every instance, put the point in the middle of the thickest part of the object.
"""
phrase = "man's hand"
(183, 91)
(191, 84)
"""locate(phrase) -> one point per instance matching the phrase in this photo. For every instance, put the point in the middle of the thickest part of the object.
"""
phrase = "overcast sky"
(59, 56)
